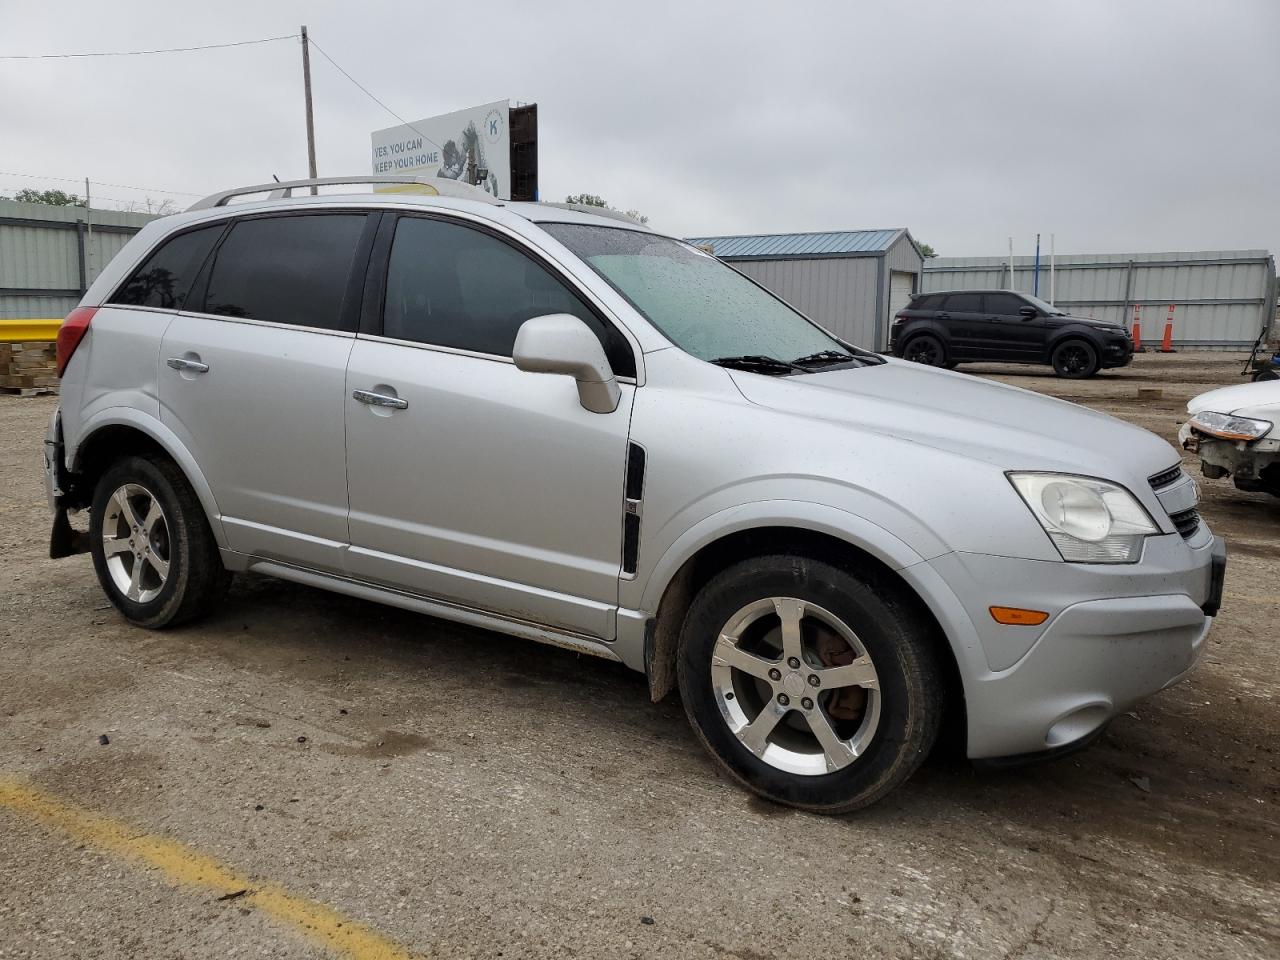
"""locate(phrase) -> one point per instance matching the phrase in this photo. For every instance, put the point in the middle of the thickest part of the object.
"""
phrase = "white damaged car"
(1233, 429)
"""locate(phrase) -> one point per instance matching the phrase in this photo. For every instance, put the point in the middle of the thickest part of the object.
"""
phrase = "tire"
(723, 665)
(926, 349)
(1262, 375)
(180, 575)
(1075, 359)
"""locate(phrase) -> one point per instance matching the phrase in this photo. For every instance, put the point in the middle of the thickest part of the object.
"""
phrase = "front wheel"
(811, 685)
(1075, 360)
(153, 551)
(926, 349)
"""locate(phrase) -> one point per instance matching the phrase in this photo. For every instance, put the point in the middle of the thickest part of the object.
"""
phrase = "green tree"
(927, 251)
(592, 200)
(57, 198)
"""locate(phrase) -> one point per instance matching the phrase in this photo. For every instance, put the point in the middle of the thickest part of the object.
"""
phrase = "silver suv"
(573, 429)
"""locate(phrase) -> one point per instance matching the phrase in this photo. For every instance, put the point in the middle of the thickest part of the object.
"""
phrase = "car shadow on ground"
(1163, 776)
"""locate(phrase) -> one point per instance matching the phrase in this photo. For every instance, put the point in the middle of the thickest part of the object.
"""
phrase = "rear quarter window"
(164, 279)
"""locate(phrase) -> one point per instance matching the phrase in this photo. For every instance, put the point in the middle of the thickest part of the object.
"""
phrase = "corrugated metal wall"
(1222, 299)
(47, 258)
(837, 292)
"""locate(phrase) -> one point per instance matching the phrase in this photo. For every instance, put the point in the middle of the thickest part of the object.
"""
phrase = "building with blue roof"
(850, 281)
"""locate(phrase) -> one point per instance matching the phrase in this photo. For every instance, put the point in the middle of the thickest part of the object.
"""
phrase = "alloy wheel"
(136, 542)
(1073, 358)
(796, 686)
(924, 351)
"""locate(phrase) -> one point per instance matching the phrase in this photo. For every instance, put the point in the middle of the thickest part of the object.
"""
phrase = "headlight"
(1088, 520)
(1227, 427)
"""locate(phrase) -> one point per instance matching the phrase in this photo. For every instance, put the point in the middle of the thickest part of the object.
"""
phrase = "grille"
(1187, 522)
(1166, 477)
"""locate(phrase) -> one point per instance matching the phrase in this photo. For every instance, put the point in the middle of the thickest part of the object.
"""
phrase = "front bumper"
(1240, 459)
(1117, 352)
(1115, 635)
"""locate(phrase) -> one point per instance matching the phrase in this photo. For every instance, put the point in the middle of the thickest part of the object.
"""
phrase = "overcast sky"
(1119, 126)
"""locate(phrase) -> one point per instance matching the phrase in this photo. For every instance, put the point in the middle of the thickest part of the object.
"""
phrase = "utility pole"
(1011, 286)
(88, 229)
(1035, 277)
(1053, 262)
(311, 121)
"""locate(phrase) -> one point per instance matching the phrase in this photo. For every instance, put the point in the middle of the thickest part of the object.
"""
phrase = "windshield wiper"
(758, 363)
(824, 357)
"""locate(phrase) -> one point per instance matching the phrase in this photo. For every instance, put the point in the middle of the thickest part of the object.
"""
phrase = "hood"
(1259, 401)
(1095, 322)
(1007, 427)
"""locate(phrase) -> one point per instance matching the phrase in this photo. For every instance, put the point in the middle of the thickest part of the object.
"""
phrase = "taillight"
(71, 333)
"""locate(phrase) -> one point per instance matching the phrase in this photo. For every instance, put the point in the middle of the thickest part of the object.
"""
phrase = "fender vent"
(631, 509)
(1166, 477)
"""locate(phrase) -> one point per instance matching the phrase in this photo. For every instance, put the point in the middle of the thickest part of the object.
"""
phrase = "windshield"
(698, 303)
(1043, 306)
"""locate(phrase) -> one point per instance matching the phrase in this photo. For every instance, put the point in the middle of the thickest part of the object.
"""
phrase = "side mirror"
(1028, 313)
(561, 343)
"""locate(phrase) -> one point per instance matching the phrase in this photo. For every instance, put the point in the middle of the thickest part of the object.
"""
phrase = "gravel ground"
(467, 794)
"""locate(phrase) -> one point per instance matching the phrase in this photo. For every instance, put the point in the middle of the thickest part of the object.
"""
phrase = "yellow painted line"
(21, 331)
(186, 867)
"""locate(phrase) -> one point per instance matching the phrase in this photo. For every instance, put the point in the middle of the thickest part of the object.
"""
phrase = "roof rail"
(436, 186)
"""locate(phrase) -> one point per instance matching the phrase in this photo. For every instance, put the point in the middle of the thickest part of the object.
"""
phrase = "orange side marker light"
(1017, 617)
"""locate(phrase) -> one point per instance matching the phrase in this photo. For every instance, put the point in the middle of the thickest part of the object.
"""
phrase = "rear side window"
(928, 301)
(964, 303)
(1004, 304)
(452, 286)
(286, 269)
(165, 277)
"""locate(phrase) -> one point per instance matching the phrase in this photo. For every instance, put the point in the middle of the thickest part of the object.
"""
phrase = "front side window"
(165, 277)
(1004, 304)
(698, 303)
(453, 286)
(290, 269)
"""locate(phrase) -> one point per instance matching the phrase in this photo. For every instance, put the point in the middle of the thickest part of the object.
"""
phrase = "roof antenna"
(275, 178)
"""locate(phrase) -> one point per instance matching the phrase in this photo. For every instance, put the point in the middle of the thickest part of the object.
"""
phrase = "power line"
(141, 53)
(102, 183)
(368, 94)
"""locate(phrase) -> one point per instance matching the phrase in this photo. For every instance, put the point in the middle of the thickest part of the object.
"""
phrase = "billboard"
(473, 146)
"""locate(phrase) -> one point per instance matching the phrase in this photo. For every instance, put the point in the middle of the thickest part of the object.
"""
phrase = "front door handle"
(379, 399)
(192, 366)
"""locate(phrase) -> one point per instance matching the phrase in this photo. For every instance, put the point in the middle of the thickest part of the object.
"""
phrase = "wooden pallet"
(29, 368)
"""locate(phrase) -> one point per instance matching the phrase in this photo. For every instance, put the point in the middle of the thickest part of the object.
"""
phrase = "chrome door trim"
(433, 606)
(454, 351)
(273, 324)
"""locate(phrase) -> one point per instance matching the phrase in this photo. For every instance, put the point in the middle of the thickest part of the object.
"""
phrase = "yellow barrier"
(23, 331)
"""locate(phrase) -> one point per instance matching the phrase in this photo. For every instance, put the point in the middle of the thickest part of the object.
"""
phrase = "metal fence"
(1220, 299)
(49, 255)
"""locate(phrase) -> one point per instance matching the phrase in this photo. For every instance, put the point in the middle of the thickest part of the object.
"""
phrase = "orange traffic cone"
(1166, 345)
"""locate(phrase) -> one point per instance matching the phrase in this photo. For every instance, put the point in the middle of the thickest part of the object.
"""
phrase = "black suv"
(955, 326)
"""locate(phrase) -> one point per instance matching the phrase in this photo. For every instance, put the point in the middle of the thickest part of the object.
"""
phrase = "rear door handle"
(194, 366)
(379, 399)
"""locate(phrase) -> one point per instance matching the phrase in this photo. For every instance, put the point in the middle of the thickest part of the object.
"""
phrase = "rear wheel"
(810, 685)
(926, 349)
(153, 551)
(1075, 360)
